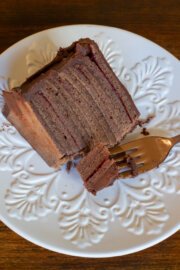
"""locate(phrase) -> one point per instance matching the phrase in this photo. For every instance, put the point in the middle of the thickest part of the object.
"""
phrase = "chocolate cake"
(71, 103)
(97, 169)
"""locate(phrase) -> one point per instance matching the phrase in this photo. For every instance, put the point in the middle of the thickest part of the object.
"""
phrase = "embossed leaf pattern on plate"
(6, 84)
(81, 225)
(152, 75)
(137, 203)
(111, 52)
(140, 210)
(165, 179)
(39, 54)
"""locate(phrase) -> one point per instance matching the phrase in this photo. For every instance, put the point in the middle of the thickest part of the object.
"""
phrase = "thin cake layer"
(77, 100)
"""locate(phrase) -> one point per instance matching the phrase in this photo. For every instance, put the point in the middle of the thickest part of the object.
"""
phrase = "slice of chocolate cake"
(73, 102)
(97, 169)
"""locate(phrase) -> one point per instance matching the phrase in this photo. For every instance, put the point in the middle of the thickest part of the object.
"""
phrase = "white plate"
(50, 207)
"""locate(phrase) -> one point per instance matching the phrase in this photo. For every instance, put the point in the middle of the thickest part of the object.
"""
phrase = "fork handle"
(176, 139)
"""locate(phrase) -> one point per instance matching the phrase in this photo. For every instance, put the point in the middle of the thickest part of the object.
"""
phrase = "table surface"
(157, 20)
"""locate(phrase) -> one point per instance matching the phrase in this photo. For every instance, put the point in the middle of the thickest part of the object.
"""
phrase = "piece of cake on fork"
(97, 169)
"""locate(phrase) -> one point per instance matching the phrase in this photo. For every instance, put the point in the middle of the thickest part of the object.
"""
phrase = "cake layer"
(118, 87)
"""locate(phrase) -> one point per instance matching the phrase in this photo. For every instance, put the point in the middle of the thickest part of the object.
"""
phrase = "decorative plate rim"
(92, 255)
(87, 25)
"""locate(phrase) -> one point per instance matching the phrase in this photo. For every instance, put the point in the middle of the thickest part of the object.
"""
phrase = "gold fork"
(147, 152)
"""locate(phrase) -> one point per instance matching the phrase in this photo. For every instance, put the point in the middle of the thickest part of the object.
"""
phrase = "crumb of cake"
(6, 124)
(145, 132)
(145, 121)
(131, 163)
(69, 166)
(74, 164)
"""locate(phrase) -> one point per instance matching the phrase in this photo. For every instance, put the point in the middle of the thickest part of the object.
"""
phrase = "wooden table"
(157, 20)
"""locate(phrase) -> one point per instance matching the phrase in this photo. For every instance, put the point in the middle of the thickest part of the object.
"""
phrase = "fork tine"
(121, 165)
(146, 167)
(136, 155)
(148, 153)
(119, 158)
(140, 160)
(123, 148)
(142, 169)
(126, 174)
